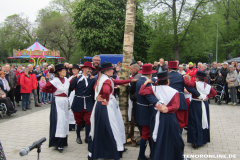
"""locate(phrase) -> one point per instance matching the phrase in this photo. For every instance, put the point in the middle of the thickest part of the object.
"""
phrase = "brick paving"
(22, 129)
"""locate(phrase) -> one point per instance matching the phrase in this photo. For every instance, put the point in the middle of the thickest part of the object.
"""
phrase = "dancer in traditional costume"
(167, 143)
(72, 122)
(59, 126)
(107, 127)
(198, 119)
(83, 102)
(145, 107)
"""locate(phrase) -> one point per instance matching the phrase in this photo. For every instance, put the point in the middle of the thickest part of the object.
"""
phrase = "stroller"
(220, 89)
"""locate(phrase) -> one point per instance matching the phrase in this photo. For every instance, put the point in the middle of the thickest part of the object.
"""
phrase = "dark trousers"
(8, 103)
(116, 92)
(11, 95)
(38, 92)
(25, 100)
(226, 92)
(18, 94)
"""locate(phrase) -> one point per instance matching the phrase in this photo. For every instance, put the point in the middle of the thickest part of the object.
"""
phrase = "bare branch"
(180, 12)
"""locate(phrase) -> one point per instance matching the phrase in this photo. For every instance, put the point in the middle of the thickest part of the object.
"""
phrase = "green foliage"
(100, 26)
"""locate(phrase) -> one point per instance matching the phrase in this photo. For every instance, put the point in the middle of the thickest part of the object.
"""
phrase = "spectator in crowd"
(66, 64)
(13, 68)
(51, 72)
(192, 71)
(166, 63)
(232, 84)
(39, 74)
(4, 88)
(26, 89)
(199, 66)
(49, 95)
(224, 71)
(219, 66)
(42, 83)
(155, 64)
(181, 71)
(161, 66)
(96, 63)
(44, 66)
(140, 64)
(203, 68)
(213, 72)
(117, 87)
(70, 65)
(47, 70)
(187, 67)
(12, 81)
(194, 65)
(177, 62)
(33, 78)
(18, 73)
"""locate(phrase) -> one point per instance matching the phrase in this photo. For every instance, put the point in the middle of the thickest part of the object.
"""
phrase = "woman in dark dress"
(198, 119)
(59, 126)
(167, 144)
(107, 136)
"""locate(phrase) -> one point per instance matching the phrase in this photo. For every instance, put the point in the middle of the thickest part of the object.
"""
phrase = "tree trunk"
(175, 31)
(127, 58)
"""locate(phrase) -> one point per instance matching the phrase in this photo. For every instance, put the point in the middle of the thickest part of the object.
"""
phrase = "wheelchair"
(3, 109)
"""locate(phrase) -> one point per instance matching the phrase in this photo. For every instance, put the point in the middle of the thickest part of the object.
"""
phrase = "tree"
(55, 31)
(181, 11)
(15, 33)
(128, 44)
(100, 26)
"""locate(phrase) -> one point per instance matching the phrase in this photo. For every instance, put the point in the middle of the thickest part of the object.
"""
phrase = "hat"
(172, 64)
(225, 63)
(200, 74)
(76, 66)
(190, 63)
(106, 66)
(88, 64)
(1, 72)
(162, 76)
(180, 66)
(231, 66)
(147, 69)
(51, 70)
(59, 67)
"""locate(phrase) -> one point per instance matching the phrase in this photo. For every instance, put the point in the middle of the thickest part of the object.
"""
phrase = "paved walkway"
(22, 131)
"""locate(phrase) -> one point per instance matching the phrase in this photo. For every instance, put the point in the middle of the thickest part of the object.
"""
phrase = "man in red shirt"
(191, 71)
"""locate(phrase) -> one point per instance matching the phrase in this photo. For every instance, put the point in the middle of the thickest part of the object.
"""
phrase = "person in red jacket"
(192, 71)
(26, 89)
(18, 73)
(33, 74)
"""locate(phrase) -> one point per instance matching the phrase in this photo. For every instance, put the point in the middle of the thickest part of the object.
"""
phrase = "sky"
(30, 8)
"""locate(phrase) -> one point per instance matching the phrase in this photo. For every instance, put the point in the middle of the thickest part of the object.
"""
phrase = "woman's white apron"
(62, 129)
(114, 116)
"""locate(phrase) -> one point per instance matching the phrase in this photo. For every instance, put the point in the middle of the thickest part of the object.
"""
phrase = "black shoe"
(15, 111)
(194, 145)
(79, 141)
(60, 149)
(144, 159)
(86, 140)
(9, 114)
(89, 158)
(37, 105)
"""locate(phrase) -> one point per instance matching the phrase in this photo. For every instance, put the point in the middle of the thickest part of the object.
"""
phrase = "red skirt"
(182, 116)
